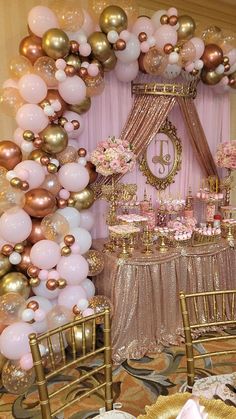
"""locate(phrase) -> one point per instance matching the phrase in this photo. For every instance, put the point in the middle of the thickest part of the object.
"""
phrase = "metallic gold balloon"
(101, 48)
(92, 171)
(5, 265)
(83, 107)
(31, 48)
(55, 139)
(99, 303)
(95, 260)
(25, 260)
(56, 43)
(83, 199)
(186, 27)
(15, 282)
(36, 155)
(210, 77)
(110, 63)
(113, 18)
(78, 333)
(73, 60)
(212, 56)
(15, 379)
(10, 154)
(39, 202)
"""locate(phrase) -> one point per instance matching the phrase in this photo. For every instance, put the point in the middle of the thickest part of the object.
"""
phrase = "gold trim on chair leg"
(40, 377)
(188, 342)
(107, 358)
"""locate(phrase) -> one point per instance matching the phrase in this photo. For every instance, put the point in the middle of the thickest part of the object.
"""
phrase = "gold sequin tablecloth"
(145, 290)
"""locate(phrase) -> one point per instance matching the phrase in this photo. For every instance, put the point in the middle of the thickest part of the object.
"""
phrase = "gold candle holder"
(163, 248)
(147, 242)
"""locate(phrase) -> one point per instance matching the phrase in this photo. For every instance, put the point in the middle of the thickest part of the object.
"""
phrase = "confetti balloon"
(15, 379)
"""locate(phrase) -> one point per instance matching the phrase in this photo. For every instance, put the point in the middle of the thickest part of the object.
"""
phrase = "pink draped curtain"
(108, 115)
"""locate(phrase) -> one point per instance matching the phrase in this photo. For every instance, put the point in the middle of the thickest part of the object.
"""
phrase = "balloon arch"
(45, 195)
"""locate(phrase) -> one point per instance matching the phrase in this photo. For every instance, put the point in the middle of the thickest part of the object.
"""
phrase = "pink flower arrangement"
(226, 155)
(113, 156)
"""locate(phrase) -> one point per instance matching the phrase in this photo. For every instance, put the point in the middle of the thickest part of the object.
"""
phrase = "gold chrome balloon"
(186, 27)
(113, 18)
(210, 77)
(15, 282)
(83, 199)
(5, 265)
(110, 63)
(95, 260)
(78, 333)
(55, 139)
(56, 43)
(83, 106)
(73, 60)
(36, 155)
(101, 48)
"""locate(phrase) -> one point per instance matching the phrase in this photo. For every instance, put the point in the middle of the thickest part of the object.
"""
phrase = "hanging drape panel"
(197, 136)
(147, 115)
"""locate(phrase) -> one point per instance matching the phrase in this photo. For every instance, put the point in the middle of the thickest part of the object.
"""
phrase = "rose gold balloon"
(142, 36)
(82, 152)
(74, 46)
(61, 203)
(33, 271)
(39, 202)
(34, 305)
(92, 171)
(69, 239)
(7, 249)
(168, 48)
(25, 260)
(164, 19)
(212, 56)
(70, 70)
(51, 284)
(36, 232)
(10, 154)
(31, 47)
(51, 184)
(82, 72)
(120, 45)
(50, 98)
(173, 20)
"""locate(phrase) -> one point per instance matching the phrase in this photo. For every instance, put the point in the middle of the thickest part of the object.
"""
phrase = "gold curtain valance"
(188, 89)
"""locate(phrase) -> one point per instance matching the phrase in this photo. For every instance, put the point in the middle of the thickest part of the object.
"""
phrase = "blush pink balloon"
(143, 24)
(10, 83)
(40, 19)
(87, 219)
(36, 173)
(89, 287)
(70, 295)
(26, 362)
(73, 176)
(199, 46)
(31, 117)
(85, 49)
(232, 56)
(72, 90)
(93, 70)
(32, 88)
(144, 46)
(18, 136)
(131, 52)
(172, 11)
(126, 72)
(14, 341)
(165, 34)
(44, 303)
(45, 254)
(88, 25)
(15, 225)
(73, 268)
(39, 315)
(88, 312)
(73, 116)
(44, 292)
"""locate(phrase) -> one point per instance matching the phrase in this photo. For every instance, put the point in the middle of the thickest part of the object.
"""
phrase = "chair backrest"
(55, 339)
(203, 312)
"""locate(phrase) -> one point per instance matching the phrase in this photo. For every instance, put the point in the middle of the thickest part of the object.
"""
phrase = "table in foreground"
(145, 290)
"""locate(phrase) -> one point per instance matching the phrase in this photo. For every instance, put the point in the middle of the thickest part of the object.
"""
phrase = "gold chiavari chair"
(203, 313)
(60, 333)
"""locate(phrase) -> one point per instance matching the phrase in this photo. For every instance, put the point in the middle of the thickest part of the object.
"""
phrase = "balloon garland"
(45, 177)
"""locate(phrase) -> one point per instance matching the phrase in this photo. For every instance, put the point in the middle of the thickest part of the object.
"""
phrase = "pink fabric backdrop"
(108, 114)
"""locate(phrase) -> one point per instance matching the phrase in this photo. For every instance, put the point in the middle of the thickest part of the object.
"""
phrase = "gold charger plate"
(168, 407)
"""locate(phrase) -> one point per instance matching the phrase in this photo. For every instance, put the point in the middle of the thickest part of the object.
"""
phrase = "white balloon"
(42, 291)
(171, 71)
(72, 215)
(82, 238)
(173, 57)
(87, 219)
(44, 303)
(89, 287)
(131, 52)
(112, 36)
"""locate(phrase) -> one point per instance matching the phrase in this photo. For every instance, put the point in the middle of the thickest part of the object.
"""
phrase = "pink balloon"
(199, 46)
(18, 136)
(93, 70)
(14, 341)
(232, 56)
(32, 88)
(39, 315)
(73, 116)
(126, 72)
(172, 11)
(15, 225)
(87, 219)
(189, 67)
(26, 362)
(82, 238)
(88, 312)
(40, 19)
(36, 173)
(144, 46)
(70, 295)
(131, 52)
(89, 287)
(85, 49)
(32, 117)
(73, 268)
(45, 254)
(88, 25)
(73, 176)
(10, 83)
(165, 34)
(72, 90)
(44, 303)
(143, 24)
(42, 291)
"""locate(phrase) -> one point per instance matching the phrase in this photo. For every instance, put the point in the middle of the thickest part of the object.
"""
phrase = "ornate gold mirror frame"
(163, 159)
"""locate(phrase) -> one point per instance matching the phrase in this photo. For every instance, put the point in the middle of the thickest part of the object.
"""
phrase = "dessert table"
(144, 290)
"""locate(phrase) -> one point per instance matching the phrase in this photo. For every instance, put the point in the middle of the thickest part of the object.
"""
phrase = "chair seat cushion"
(223, 386)
(116, 414)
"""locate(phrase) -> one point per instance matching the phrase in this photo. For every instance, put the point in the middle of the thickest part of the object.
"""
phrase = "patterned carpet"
(137, 383)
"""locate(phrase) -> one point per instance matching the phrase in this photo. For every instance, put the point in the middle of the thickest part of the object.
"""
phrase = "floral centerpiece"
(113, 156)
(226, 155)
